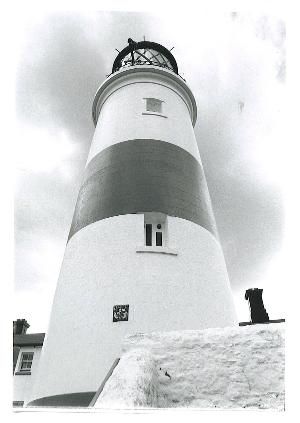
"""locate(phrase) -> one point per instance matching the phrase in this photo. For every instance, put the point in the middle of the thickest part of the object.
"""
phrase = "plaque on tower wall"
(120, 313)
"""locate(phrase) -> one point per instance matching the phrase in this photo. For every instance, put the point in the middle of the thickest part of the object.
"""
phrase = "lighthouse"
(143, 253)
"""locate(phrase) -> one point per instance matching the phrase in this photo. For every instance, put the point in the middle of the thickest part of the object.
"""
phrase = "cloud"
(39, 150)
(242, 149)
(63, 60)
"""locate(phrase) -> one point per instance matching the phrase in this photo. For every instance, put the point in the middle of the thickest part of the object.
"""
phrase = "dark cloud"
(58, 75)
(64, 60)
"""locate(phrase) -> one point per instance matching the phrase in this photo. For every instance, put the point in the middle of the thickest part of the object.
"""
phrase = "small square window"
(121, 313)
(153, 105)
(26, 362)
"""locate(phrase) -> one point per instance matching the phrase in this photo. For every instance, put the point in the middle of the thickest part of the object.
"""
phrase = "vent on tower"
(145, 53)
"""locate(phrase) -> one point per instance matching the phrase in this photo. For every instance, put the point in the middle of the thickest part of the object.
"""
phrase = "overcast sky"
(235, 65)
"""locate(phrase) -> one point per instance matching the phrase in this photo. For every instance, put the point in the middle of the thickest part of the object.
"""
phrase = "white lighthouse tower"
(143, 253)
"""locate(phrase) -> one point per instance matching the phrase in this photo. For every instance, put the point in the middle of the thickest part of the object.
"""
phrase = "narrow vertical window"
(159, 239)
(148, 234)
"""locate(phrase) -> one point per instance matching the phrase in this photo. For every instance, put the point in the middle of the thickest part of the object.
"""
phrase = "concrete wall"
(215, 368)
(23, 383)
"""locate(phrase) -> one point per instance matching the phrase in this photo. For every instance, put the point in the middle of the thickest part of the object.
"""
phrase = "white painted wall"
(22, 384)
(123, 104)
(238, 367)
(101, 268)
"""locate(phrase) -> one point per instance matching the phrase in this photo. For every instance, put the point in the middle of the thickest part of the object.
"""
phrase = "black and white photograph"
(149, 210)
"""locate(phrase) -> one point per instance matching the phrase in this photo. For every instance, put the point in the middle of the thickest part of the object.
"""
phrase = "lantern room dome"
(145, 53)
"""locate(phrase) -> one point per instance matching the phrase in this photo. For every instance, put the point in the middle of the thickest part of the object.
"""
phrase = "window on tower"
(155, 230)
(159, 238)
(153, 105)
(148, 234)
(156, 236)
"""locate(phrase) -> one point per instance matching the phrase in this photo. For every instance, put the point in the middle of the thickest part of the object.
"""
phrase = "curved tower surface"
(143, 253)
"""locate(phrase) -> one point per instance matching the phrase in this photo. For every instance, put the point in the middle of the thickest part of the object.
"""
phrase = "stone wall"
(240, 367)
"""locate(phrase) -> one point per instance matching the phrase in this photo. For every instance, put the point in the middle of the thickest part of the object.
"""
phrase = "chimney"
(20, 326)
(257, 309)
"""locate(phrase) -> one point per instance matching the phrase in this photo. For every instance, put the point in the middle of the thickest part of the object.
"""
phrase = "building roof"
(29, 339)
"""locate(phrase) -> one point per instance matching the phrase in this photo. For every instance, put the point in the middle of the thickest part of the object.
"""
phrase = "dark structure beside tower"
(257, 309)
